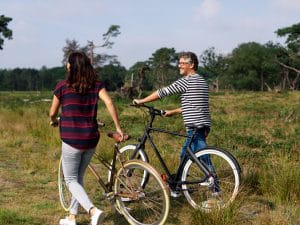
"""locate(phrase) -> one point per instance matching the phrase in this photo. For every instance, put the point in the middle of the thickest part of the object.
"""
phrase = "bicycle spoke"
(217, 192)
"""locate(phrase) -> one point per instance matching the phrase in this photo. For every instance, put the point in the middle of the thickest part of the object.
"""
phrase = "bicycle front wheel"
(126, 153)
(141, 205)
(65, 195)
(217, 191)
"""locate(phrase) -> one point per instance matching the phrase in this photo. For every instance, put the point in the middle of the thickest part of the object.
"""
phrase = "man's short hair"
(191, 57)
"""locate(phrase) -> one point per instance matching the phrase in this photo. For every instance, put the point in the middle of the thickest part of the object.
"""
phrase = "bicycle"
(139, 204)
(205, 186)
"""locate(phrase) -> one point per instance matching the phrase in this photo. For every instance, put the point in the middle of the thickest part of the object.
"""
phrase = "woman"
(78, 96)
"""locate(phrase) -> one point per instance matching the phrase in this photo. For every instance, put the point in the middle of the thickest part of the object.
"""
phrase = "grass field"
(261, 129)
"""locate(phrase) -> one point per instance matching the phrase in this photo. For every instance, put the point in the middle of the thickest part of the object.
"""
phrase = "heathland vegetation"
(260, 128)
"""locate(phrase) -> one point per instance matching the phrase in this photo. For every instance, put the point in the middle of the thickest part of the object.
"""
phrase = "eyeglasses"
(183, 63)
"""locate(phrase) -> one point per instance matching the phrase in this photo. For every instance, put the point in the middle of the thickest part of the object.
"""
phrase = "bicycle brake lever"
(162, 112)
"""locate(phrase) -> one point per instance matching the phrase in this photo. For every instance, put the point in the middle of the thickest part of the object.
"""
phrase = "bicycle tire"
(149, 205)
(227, 180)
(126, 152)
(65, 195)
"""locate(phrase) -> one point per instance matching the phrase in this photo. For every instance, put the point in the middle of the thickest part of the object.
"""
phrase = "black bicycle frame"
(189, 153)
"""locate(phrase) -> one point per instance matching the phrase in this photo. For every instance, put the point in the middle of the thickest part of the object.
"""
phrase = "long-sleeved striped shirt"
(194, 99)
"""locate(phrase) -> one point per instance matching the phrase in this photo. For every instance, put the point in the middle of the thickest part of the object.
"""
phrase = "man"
(193, 90)
(194, 99)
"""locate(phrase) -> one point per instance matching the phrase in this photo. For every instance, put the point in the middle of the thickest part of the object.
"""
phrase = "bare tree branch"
(289, 67)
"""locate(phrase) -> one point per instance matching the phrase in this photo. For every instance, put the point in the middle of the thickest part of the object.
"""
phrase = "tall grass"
(260, 129)
(280, 179)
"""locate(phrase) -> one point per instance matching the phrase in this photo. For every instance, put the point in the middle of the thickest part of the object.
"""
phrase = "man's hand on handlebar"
(167, 113)
(152, 110)
(137, 102)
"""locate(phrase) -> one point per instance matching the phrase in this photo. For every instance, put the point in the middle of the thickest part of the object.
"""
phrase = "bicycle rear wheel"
(141, 205)
(128, 150)
(65, 195)
(216, 192)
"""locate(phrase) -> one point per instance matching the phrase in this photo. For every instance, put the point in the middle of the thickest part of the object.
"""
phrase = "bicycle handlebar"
(152, 111)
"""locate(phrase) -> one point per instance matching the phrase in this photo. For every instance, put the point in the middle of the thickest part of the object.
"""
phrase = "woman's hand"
(54, 122)
(121, 133)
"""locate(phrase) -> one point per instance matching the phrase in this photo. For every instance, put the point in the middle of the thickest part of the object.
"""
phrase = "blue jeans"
(199, 142)
(74, 164)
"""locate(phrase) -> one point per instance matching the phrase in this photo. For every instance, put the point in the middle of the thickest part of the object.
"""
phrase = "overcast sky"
(41, 27)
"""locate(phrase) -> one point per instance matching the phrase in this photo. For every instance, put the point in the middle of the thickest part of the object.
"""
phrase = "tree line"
(250, 66)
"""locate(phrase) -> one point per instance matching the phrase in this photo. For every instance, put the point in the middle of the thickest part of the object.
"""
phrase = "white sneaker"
(66, 221)
(175, 194)
(97, 218)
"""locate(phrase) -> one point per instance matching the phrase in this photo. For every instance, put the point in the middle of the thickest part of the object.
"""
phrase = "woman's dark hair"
(81, 75)
(191, 57)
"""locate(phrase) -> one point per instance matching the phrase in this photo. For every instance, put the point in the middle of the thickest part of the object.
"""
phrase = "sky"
(41, 27)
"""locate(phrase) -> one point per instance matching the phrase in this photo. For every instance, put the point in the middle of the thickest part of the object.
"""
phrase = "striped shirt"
(78, 118)
(194, 99)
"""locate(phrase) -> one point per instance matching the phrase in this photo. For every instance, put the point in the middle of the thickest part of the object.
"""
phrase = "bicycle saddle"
(117, 137)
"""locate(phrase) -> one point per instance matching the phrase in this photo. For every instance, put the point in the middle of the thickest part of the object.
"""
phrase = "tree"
(113, 31)
(293, 37)
(249, 66)
(289, 59)
(103, 58)
(96, 59)
(5, 32)
(112, 75)
(31, 79)
(163, 67)
(138, 81)
(72, 46)
(214, 65)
